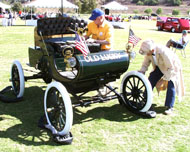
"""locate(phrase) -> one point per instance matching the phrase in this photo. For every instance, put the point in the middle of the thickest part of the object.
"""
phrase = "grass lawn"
(106, 127)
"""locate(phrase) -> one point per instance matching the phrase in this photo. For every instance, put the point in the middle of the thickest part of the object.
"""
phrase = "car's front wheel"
(58, 109)
(136, 91)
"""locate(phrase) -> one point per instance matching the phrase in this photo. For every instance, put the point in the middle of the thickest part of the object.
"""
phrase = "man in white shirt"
(178, 44)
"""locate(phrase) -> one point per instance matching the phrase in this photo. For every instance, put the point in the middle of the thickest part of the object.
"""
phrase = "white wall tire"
(137, 91)
(159, 28)
(173, 30)
(17, 78)
(58, 109)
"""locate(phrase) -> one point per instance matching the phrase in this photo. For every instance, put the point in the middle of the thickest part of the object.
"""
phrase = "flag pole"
(62, 8)
(129, 33)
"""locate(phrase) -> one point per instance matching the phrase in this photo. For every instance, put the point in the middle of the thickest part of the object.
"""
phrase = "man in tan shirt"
(166, 67)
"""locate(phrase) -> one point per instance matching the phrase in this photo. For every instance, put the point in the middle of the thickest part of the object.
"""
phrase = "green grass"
(106, 127)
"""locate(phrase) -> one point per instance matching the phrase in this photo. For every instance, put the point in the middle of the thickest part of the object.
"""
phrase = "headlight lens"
(72, 62)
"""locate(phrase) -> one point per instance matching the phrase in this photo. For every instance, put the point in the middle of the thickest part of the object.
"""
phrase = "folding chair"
(181, 49)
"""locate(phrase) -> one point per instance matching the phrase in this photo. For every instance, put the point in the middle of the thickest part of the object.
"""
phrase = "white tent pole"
(62, 7)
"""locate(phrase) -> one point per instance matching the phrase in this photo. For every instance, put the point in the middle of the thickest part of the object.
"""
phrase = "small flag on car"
(133, 38)
(81, 45)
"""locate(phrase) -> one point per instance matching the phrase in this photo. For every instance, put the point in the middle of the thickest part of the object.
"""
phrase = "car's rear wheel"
(159, 28)
(17, 78)
(137, 91)
(173, 30)
(58, 109)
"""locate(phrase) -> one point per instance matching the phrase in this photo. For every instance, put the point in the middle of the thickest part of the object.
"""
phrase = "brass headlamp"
(67, 52)
(129, 50)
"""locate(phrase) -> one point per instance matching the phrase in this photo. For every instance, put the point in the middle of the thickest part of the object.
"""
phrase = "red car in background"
(109, 18)
(173, 24)
(1, 16)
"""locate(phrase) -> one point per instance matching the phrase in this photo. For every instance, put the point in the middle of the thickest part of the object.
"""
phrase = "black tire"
(137, 91)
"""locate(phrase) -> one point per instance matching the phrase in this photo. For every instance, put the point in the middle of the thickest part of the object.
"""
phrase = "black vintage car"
(57, 59)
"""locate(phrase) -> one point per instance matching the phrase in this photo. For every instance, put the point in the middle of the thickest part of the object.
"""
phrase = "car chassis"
(58, 59)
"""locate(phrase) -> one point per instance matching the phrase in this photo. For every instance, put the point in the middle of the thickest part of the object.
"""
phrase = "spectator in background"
(178, 44)
(10, 19)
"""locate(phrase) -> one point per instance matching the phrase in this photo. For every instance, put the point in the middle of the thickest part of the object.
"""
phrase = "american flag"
(81, 45)
(133, 38)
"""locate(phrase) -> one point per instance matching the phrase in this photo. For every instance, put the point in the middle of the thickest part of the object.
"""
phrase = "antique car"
(69, 73)
(173, 24)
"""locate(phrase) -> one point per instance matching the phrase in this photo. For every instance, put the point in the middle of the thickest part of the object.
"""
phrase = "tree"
(135, 1)
(87, 6)
(175, 12)
(174, 2)
(148, 10)
(140, 3)
(159, 11)
(17, 7)
(151, 2)
(78, 3)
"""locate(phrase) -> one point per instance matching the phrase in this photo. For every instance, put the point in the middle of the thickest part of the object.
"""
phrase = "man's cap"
(146, 46)
(96, 13)
(184, 32)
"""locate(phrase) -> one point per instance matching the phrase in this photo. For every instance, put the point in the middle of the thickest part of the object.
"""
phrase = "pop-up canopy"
(114, 6)
(4, 6)
(52, 4)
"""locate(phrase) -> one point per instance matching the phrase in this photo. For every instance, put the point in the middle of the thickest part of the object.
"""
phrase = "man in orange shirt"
(100, 30)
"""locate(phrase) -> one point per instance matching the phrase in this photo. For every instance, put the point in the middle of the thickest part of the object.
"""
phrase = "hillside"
(167, 10)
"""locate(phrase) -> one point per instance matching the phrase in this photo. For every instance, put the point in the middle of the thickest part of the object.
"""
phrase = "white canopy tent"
(114, 6)
(51, 4)
(4, 6)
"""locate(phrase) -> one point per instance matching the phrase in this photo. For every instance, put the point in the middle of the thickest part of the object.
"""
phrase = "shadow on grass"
(114, 113)
(23, 117)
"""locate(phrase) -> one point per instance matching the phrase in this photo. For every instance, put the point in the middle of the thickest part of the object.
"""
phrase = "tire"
(17, 78)
(137, 91)
(159, 28)
(58, 109)
(172, 30)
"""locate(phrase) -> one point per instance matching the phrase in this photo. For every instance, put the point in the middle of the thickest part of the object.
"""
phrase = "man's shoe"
(169, 111)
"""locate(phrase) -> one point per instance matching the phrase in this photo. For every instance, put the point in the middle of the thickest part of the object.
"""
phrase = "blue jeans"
(154, 77)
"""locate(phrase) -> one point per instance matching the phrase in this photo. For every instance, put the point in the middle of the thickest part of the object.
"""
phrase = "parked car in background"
(1, 16)
(173, 24)
(29, 17)
(109, 18)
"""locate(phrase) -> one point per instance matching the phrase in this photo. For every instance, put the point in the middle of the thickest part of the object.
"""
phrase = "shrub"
(148, 10)
(159, 11)
(175, 12)
(188, 12)
(135, 11)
